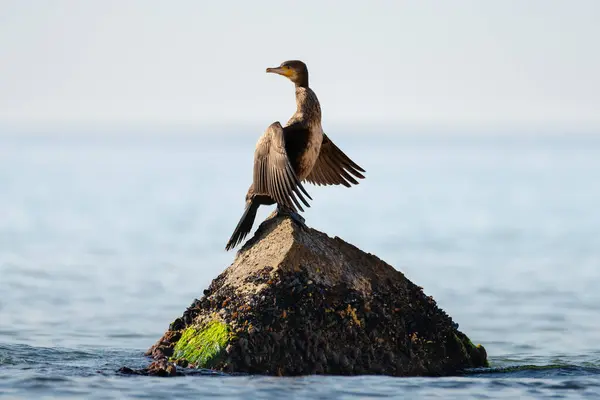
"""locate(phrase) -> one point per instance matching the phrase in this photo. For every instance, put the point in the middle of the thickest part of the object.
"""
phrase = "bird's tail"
(245, 225)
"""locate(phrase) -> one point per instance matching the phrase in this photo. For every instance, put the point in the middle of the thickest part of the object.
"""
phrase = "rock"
(161, 367)
(296, 302)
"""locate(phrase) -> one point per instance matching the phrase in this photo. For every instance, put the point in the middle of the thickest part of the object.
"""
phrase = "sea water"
(105, 239)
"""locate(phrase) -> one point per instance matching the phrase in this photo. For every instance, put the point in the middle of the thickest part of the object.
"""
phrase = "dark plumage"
(287, 156)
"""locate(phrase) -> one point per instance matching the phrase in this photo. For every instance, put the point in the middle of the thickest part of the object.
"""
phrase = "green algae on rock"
(202, 346)
(297, 302)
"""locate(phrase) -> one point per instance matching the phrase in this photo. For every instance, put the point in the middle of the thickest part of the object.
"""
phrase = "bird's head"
(294, 70)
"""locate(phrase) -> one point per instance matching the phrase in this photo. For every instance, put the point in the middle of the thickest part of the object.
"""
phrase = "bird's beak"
(278, 70)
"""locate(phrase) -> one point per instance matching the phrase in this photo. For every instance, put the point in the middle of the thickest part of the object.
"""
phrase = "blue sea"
(106, 238)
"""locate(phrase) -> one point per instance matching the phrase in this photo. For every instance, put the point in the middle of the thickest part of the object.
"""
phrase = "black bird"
(287, 156)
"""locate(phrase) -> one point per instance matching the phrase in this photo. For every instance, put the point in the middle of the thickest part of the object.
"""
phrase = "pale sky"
(146, 61)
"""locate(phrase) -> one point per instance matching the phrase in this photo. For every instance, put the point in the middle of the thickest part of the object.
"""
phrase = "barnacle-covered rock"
(296, 302)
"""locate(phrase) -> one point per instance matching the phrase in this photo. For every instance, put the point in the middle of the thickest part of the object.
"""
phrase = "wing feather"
(273, 174)
(334, 167)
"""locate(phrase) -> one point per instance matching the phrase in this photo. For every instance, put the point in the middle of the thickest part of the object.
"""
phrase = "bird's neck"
(307, 105)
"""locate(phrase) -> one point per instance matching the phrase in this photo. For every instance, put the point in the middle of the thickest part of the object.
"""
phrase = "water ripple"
(72, 373)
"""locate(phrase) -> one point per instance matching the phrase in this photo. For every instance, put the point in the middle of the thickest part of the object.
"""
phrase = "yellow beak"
(281, 71)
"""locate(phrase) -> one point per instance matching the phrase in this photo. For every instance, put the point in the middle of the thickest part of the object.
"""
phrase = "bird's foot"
(272, 215)
(292, 214)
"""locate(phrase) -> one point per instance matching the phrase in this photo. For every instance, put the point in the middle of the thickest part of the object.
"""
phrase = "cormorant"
(287, 156)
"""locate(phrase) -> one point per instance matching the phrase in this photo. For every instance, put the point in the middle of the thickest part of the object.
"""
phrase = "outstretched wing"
(333, 167)
(273, 173)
